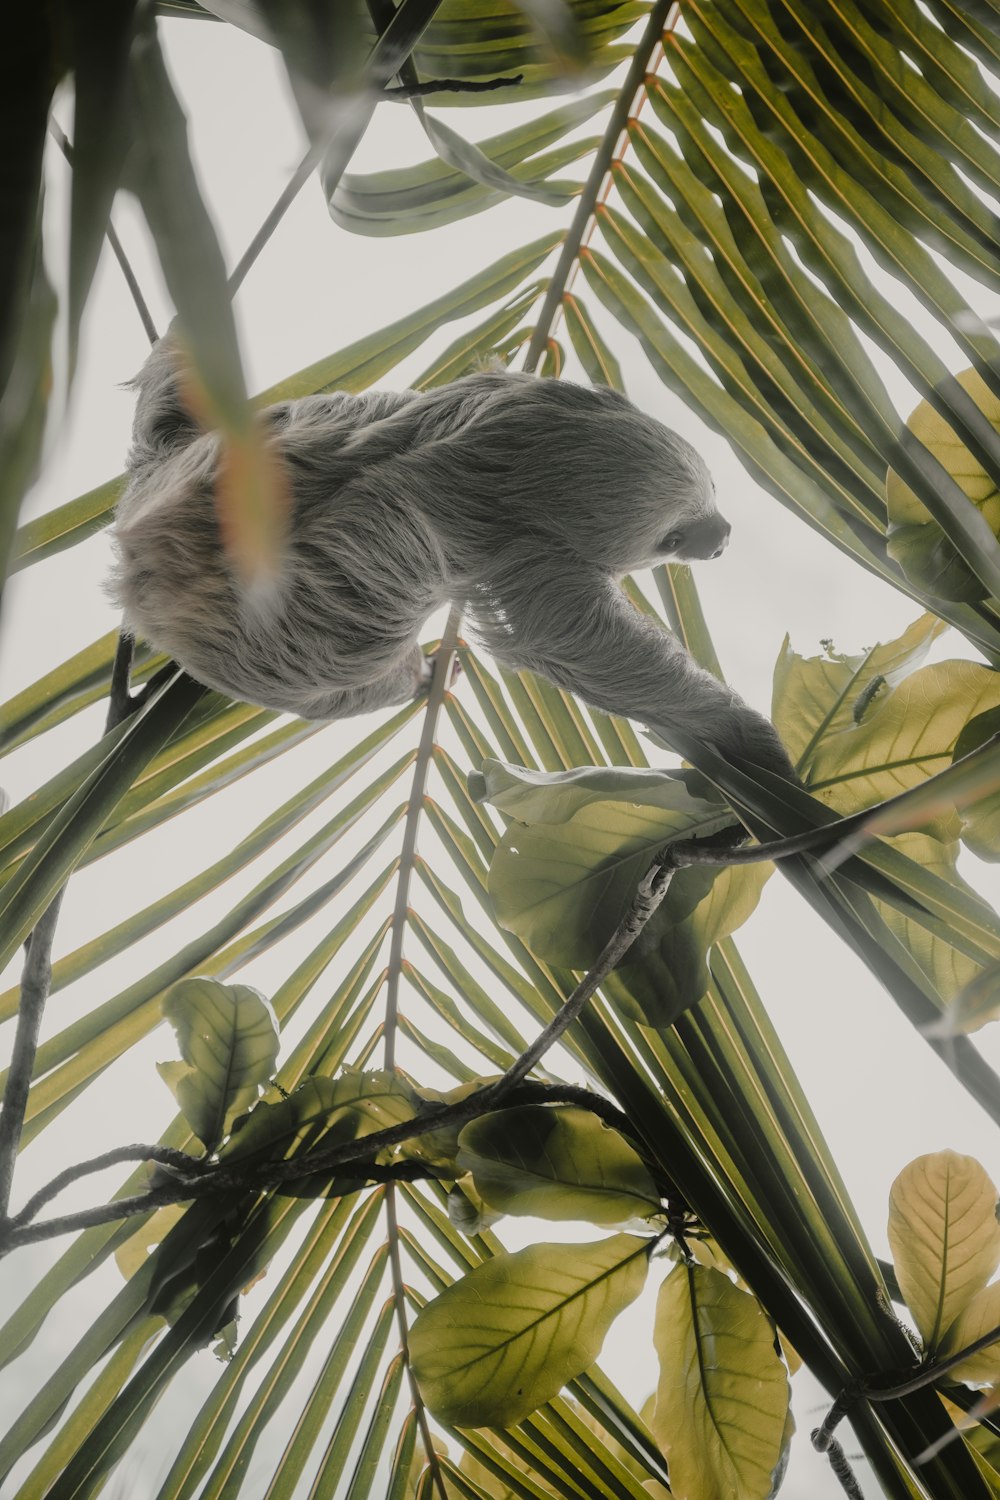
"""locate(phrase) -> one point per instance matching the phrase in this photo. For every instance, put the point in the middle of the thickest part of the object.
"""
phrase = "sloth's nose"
(723, 540)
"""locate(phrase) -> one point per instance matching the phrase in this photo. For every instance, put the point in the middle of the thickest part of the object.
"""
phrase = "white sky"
(881, 1096)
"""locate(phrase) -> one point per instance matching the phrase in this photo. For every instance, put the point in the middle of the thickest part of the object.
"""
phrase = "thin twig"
(145, 317)
(282, 203)
(166, 1156)
(651, 891)
(36, 979)
(14, 1236)
(386, 64)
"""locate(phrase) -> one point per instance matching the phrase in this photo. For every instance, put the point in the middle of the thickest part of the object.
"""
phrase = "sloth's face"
(705, 537)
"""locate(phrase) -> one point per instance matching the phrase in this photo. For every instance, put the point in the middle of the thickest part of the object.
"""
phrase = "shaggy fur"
(521, 500)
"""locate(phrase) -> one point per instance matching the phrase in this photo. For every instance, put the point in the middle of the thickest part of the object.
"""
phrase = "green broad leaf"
(916, 541)
(974, 1006)
(229, 1041)
(508, 1336)
(981, 816)
(467, 1210)
(376, 1099)
(815, 697)
(556, 1163)
(872, 735)
(666, 971)
(722, 1401)
(320, 1108)
(950, 970)
(133, 1253)
(977, 1318)
(564, 883)
(944, 1237)
(933, 563)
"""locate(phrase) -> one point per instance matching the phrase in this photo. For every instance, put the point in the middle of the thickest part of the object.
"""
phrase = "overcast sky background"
(881, 1096)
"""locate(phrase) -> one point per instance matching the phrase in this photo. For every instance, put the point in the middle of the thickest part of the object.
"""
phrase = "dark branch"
(201, 1180)
(449, 86)
(929, 1373)
(165, 1155)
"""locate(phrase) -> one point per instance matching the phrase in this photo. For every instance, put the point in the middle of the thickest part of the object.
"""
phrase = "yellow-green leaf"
(510, 1334)
(229, 1042)
(721, 1411)
(950, 970)
(564, 882)
(972, 1007)
(903, 735)
(936, 433)
(916, 541)
(944, 1237)
(817, 697)
(981, 814)
(978, 1318)
(331, 1109)
(561, 1163)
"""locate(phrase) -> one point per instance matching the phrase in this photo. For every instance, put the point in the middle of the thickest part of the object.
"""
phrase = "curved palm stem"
(663, 17)
(439, 681)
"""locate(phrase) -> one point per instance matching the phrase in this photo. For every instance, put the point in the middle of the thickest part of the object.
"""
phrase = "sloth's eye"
(671, 542)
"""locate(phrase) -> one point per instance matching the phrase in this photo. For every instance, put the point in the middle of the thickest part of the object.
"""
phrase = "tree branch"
(862, 1390)
(167, 1156)
(203, 1179)
(450, 86)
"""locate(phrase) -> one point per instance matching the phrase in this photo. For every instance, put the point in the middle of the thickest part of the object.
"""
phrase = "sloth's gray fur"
(521, 500)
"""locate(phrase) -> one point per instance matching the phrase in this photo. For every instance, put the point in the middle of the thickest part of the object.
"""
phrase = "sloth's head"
(638, 493)
(580, 465)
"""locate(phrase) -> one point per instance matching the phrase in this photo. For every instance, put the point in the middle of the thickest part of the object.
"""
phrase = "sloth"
(521, 500)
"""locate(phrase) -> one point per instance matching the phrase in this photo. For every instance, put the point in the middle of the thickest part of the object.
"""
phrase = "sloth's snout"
(723, 543)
